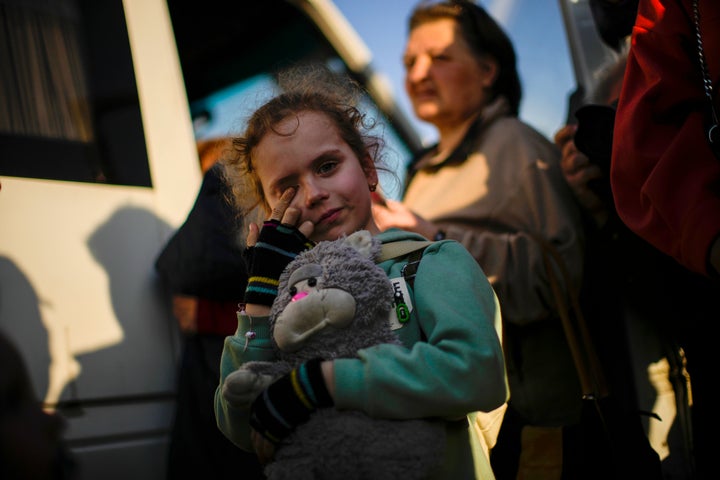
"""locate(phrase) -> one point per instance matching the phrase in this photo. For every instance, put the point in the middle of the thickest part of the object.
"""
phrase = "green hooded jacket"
(450, 364)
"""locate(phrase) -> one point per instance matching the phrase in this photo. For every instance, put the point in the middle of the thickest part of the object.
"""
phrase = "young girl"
(309, 162)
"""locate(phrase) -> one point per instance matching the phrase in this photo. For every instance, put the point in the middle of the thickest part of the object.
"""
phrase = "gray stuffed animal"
(333, 300)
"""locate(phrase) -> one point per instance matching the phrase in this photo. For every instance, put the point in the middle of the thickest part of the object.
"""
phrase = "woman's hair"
(484, 36)
(304, 88)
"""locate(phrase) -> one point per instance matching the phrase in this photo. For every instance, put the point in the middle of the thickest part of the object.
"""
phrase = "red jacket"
(665, 178)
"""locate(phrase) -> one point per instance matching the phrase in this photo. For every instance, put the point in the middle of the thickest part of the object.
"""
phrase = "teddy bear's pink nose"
(299, 296)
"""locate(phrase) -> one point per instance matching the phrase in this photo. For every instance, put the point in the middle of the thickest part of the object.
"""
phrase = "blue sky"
(534, 26)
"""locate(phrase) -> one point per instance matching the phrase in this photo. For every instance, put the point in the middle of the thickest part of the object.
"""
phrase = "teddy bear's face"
(333, 300)
(311, 309)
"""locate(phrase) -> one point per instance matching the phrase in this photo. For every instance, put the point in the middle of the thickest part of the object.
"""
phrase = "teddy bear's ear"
(362, 241)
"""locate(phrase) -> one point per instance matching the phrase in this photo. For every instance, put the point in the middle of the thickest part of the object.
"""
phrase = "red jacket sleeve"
(217, 317)
(665, 178)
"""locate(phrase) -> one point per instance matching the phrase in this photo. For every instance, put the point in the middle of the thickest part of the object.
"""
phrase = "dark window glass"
(69, 107)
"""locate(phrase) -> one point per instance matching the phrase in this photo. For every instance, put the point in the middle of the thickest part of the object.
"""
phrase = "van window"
(69, 106)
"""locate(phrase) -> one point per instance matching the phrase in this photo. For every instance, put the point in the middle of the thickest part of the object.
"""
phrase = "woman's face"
(332, 185)
(445, 81)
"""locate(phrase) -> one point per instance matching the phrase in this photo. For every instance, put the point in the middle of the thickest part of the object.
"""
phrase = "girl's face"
(445, 81)
(333, 185)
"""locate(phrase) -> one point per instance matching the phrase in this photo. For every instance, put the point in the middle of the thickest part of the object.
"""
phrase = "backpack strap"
(413, 248)
(411, 267)
(400, 249)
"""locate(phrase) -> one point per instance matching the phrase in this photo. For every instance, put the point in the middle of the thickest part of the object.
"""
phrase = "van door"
(97, 167)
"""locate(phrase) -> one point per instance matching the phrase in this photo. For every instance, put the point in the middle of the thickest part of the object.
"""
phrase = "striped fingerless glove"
(277, 245)
(289, 401)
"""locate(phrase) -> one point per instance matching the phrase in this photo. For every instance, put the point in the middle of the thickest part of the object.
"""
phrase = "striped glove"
(289, 401)
(277, 245)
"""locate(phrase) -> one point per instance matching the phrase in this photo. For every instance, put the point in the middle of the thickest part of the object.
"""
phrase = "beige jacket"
(503, 181)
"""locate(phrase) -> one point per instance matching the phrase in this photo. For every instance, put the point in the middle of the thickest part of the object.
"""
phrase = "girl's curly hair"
(304, 88)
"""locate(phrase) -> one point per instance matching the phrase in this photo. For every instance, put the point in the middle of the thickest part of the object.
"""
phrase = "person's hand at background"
(185, 309)
(578, 172)
(391, 213)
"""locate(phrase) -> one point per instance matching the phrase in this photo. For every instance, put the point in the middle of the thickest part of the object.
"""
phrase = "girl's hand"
(290, 401)
(285, 214)
(270, 249)
(264, 449)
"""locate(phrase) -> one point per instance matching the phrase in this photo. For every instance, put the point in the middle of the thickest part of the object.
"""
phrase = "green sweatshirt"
(451, 362)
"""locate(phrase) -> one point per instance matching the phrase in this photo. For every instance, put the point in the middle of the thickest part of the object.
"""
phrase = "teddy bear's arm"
(243, 385)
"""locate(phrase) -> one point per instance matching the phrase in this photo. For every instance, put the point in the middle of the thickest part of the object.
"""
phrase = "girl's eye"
(327, 167)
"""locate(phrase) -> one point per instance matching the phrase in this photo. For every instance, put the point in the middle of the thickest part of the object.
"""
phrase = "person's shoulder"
(447, 246)
(510, 137)
(392, 235)
(448, 264)
(516, 130)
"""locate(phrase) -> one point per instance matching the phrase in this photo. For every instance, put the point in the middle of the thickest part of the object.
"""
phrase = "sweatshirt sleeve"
(663, 174)
(459, 369)
(238, 349)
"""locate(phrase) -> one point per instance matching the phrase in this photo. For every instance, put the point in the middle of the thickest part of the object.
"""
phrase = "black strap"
(410, 269)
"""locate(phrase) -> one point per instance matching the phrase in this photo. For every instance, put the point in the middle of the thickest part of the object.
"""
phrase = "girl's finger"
(253, 234)
(279, 211)
(291, 216)
(307, 228)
